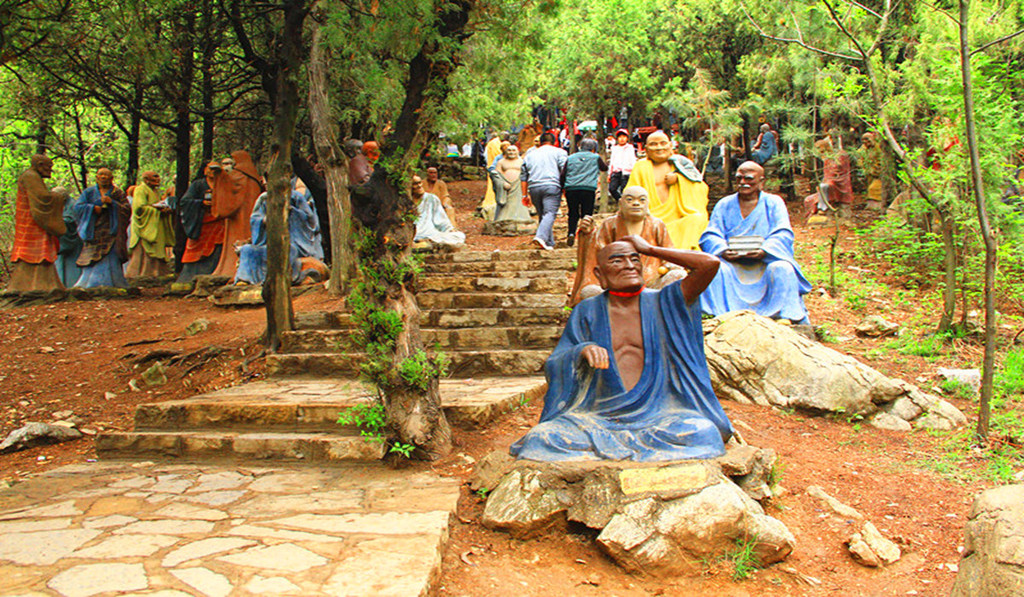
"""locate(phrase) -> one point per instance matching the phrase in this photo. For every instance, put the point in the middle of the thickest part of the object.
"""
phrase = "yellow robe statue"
(491, 151)
(686, 210)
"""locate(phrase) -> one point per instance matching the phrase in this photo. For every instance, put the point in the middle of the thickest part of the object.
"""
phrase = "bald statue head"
(634, 204)
(658, 147)
(416, 188)
(104, 178)
(749, 180)
(619, 268)
(352, 147)
(42, 164)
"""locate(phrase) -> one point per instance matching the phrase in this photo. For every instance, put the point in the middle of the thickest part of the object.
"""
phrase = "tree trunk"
(83, 170)
(986, 231)
(209, 49)
(335, 166)
(183, 125)
(41, 132)
(131, 174)
(949, 264)
(384, 208)
(277, 287)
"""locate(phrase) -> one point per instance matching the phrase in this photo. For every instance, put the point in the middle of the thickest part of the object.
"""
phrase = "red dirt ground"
(74, 355)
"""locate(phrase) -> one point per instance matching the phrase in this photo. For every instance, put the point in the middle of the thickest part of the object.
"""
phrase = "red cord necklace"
(626, 294)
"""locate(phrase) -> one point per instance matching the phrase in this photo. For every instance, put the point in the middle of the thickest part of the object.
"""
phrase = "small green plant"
(955, 387)
(1009, 379)
(744, 561)
(371, 420)
(482, 493)
(824, 334)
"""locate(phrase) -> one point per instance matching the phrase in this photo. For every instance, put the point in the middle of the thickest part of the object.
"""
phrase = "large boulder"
(993, 559)
(753, 359)
(656, 518)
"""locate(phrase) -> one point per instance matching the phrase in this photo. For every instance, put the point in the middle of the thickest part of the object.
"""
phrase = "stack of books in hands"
(745, 244)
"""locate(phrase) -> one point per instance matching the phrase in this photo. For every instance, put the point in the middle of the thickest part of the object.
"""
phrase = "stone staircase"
(293, 419)
(492, 313)
(496, 314)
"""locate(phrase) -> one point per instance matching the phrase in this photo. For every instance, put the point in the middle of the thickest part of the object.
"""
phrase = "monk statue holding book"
(750, 232)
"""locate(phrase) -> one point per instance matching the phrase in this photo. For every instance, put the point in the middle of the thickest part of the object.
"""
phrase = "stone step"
(307, 447)
(524, 274)
(456, 283)
(309, 405)
(489, 300)
(464, 363)
(476, 267)
(341, 340)
(443, 318)
(530, 255)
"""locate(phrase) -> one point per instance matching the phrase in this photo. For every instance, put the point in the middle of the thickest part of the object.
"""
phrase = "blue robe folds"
(767, 149)
(772, 287)
(672, 412)
(104, 237)
(303, 228)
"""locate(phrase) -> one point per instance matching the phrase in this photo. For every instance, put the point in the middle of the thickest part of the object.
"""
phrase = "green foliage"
(744, 560)
(930, 346)
(369, 418)
(955, 387)
(1009, 379)
(418, 370)
(824, 334)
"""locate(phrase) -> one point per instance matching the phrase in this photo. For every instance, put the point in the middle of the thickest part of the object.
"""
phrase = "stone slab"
(314, 404)
(257, 542)
(464, 363)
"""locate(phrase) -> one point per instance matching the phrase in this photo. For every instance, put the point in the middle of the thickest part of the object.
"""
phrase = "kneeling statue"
(628, 379)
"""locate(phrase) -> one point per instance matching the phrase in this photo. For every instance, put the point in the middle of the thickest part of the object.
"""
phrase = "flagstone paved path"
(193, 529)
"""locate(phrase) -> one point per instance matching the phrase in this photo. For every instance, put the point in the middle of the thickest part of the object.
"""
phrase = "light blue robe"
(672, 412)
(772, 287)
(433, 224)
(303, 228)
(767, 150)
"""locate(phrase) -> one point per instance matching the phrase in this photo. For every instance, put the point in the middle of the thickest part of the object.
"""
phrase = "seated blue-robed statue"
(766, 280)
(304, 233)
(628, 379)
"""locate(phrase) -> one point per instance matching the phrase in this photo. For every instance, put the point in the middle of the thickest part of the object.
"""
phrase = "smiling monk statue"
(628, 379)
(676, 189)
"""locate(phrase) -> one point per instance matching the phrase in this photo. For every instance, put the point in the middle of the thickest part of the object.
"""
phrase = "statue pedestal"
(660, 518)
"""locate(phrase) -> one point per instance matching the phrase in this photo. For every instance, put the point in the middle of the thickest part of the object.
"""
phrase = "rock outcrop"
(993, 560)
(753, 359)
(658, 518)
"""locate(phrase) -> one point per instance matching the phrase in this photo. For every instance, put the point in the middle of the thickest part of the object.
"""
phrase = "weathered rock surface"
(993, 560)
(656, 518)
(37, 434)
(833, 504)
(752, 359)
(869, 548)
(876, 326)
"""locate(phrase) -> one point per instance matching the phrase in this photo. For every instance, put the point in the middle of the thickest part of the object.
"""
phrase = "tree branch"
(798, 42)
(997, 41)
